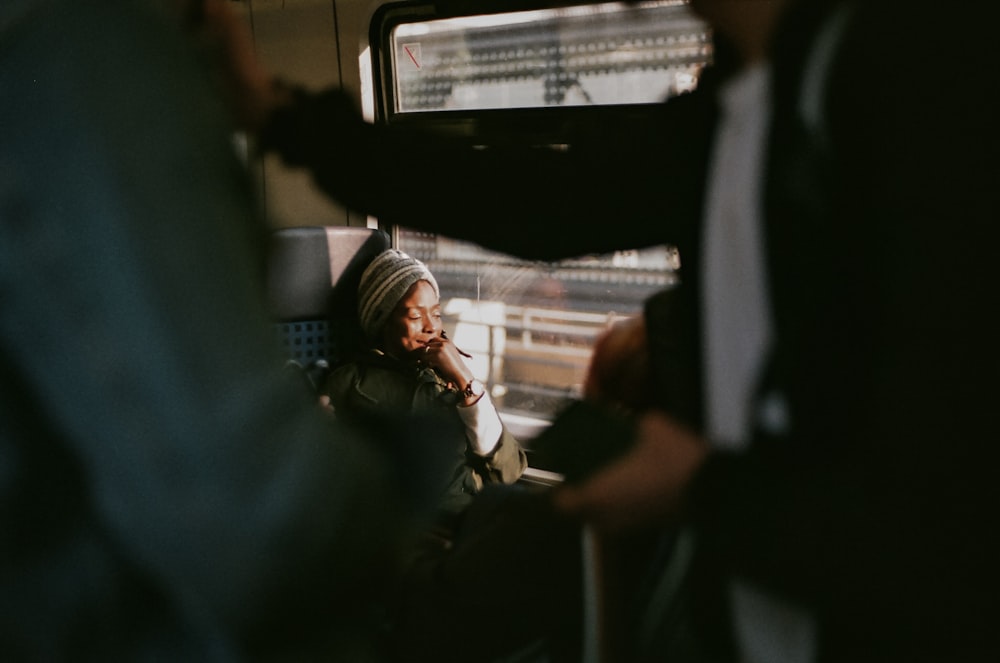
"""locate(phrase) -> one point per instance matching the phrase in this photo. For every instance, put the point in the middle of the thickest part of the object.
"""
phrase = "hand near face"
(444, 357)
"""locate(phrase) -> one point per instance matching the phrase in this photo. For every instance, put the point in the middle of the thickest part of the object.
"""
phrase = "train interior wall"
(300, 41)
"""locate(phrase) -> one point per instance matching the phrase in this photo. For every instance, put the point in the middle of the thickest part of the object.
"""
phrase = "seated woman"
(505, 577)
(413, 367)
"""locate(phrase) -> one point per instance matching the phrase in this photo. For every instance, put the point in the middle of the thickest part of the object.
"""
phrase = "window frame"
(549, 125)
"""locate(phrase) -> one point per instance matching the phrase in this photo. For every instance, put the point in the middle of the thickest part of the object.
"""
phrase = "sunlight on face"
(415, 321)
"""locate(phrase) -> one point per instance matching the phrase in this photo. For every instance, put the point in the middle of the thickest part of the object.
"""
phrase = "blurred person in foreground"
(823, 424)
(166, 492)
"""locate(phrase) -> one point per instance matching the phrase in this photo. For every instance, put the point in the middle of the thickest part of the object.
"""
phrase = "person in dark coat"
(496, 571)
(840, 487)
(412, 366)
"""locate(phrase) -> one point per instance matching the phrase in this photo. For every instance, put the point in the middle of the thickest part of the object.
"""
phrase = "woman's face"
(415, 321)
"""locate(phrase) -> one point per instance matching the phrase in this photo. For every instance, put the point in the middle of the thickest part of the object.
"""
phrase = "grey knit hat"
(383, 283)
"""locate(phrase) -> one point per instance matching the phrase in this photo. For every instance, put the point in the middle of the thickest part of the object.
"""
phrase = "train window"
(584, 55)
(530, 327)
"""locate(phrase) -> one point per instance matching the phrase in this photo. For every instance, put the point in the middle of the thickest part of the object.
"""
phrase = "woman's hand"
(447, 360)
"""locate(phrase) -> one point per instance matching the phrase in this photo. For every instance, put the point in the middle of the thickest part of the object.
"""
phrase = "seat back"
(313, 274)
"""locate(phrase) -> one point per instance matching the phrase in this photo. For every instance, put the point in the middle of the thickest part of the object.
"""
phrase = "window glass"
(610, 53)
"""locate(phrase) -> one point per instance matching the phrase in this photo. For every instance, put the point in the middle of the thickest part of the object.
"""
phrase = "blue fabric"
(170, 493)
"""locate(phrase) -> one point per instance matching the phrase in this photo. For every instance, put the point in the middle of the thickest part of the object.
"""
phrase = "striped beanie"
(383, 283)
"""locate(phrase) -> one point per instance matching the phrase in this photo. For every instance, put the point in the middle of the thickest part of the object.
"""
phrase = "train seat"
(312, 281)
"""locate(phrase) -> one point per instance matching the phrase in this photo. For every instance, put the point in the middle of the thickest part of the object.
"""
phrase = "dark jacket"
(871, 507)
(376, 383)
